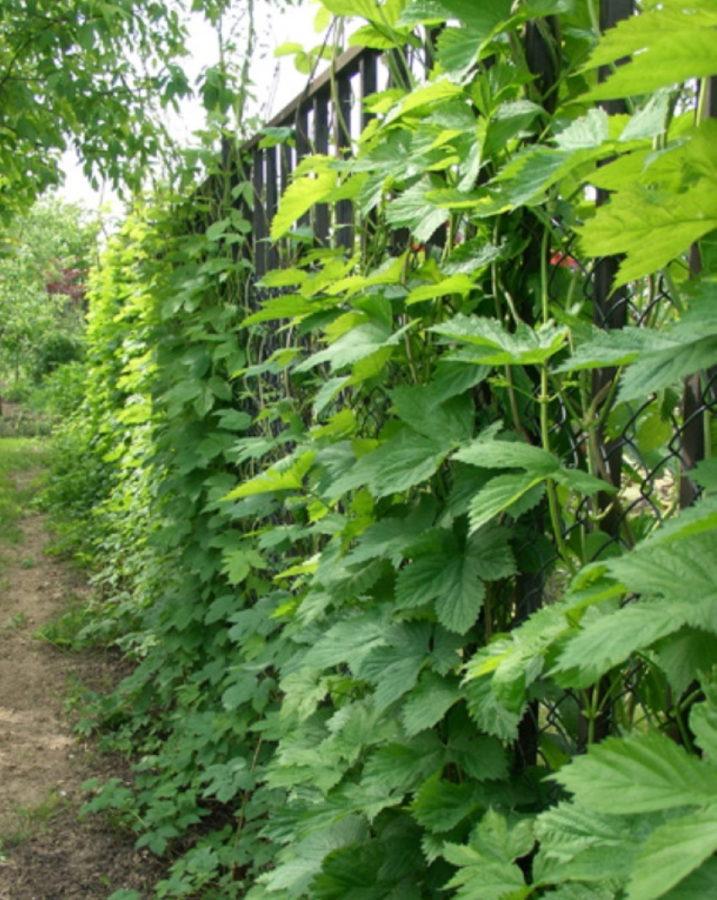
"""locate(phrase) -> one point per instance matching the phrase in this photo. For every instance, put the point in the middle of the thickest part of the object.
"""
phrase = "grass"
(16, 455)
(32, 820)
(65, 631)
(15, 623)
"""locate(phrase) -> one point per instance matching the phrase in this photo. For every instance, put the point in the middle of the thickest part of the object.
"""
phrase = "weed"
(66, 631)
(16, 622)
(16, 455)
(33, 819)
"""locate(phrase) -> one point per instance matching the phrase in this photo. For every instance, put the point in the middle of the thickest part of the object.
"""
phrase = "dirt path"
(47, 852)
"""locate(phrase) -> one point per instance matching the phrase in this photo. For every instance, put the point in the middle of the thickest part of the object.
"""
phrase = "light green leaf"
(486, 867)
(680, 574)
(440, 805)
(422, 408)
(287, 306)
(499, 495)
(389, 536)
(613, 638)
(484, 16)
(489, 713)
(491, 344)
(656, 371)
(326, 393)
(638, 774)
(493, 837)
(236, 566)
(399, 767)
(394, 669)
(491, 553)
(428, 94)
(590, 130)
(684, 657)
(284, 476)
(655, 360)
(650, 120)
(217, 229)
(454, 378)
(396, 465)
(454, 284)
(703, 721)
(428, 702)
(579, 843)
(418, 11)
(700, 518)
(650, 227)
(615, 348)
(303, 193)
(457, 49)
(508, 120)
(449, 576)
(528, 175)
(391, 271)
(671, 852)
(496, 454)
(234, 420)
(669, 43)
(413, 210)
(366, 8)
(296, 865)
(360, 342)
(582, 482)
(349, 640)
(698, 885)
(683, 571)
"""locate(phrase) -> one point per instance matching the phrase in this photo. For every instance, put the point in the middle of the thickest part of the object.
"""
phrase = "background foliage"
(87, 74)
(405, 621)
(45, 257)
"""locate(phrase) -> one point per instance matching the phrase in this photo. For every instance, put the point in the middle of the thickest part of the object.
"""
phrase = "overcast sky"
(276, 79)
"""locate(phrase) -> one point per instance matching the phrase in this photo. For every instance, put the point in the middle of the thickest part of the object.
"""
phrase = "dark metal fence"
(327, 118)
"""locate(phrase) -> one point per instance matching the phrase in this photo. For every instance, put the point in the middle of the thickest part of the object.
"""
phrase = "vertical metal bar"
(321, 145)
(342, 130)
(609, 311)
(609, 307)
(286, 167)
(243, 176)
(368, 72)
(303, 147)
(693, 413)
(399, 72)
(272, 202)
(368, 78)
(259, 214)
(303, 144)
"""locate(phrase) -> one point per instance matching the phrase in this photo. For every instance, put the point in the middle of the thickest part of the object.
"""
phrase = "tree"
(44, 258)
(91, 74)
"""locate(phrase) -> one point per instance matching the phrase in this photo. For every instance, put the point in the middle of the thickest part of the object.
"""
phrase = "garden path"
(46, 852)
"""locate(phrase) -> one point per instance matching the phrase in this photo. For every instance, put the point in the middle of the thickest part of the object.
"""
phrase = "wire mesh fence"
(645, 448)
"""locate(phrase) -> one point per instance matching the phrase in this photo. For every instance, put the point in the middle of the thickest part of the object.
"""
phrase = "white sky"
(276, 83)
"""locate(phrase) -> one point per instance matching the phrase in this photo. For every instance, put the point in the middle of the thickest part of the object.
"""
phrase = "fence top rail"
(346, 65)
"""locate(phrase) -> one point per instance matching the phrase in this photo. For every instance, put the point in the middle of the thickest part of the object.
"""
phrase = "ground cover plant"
(16, 454)
(415, 557)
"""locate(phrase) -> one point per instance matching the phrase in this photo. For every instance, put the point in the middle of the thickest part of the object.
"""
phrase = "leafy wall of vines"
(406, 554)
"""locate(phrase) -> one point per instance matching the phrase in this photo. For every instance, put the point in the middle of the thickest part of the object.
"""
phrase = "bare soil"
(48, 851)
